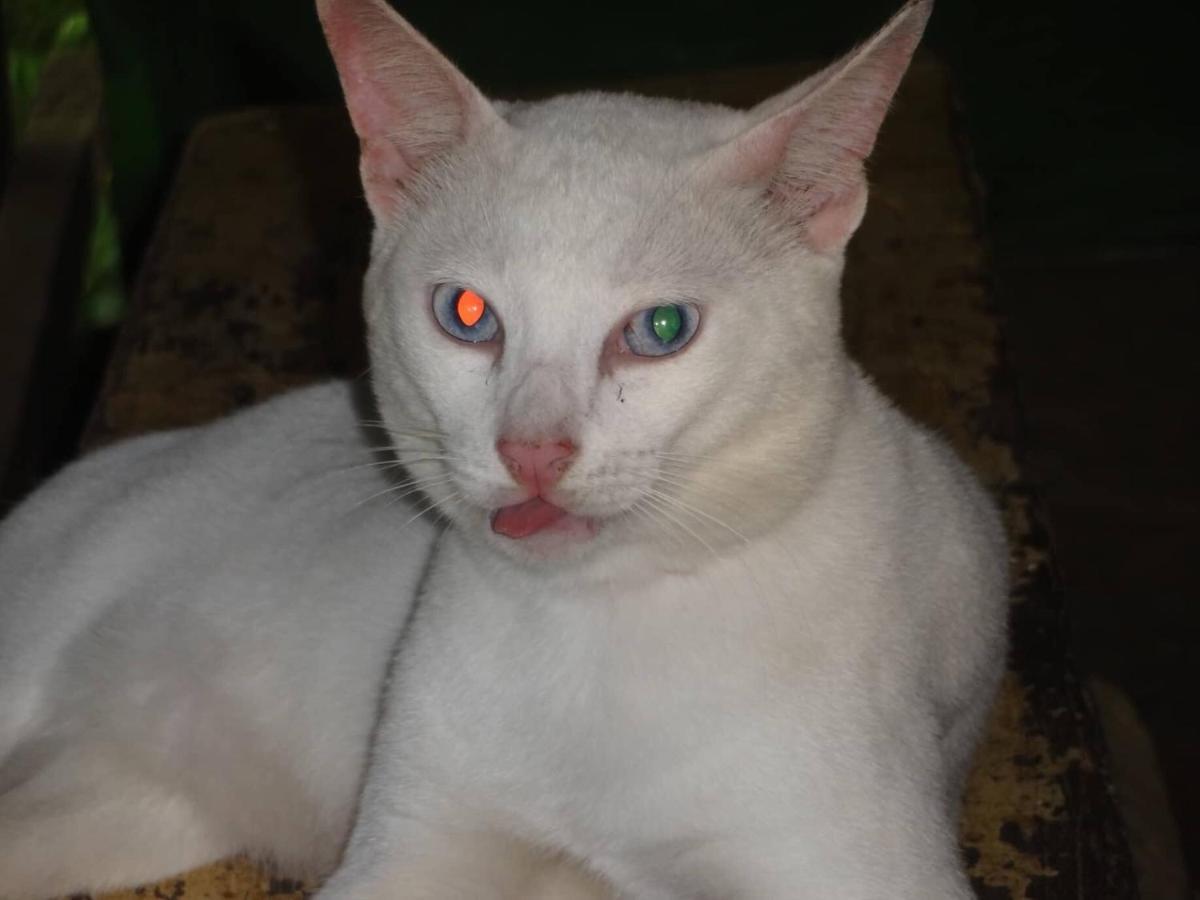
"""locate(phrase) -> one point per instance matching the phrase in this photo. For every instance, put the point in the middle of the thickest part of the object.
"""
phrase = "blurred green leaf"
(24, 70)
(103, 304)
(35, 29)
(73, 30)
(104, 308)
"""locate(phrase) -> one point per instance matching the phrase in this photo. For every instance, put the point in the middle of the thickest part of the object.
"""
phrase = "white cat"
(709, 618)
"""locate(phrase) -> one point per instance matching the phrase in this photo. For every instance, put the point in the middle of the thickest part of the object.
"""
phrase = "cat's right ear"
(407, 102)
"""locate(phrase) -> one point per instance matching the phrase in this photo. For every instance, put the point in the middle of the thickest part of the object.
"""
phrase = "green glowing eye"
(661, 330)
(666, 322)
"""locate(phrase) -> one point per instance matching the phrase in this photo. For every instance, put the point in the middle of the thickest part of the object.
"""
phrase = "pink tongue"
(523, 519)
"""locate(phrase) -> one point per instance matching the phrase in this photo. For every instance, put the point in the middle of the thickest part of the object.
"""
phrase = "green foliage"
(103, 302)
(34, 24)
(73, 30)
(24, 70)
(34, 29)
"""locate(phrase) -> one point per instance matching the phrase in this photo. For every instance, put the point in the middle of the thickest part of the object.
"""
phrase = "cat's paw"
(566, 881)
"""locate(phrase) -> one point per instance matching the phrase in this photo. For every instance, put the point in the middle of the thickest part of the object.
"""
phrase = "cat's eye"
(464, 314)
(661, 330)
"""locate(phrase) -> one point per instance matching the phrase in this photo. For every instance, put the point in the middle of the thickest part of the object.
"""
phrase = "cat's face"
(574, 245)
(599, 321)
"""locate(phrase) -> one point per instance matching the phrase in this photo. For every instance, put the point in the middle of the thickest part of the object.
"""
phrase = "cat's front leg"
(412, 861)
(770, 869)
(802, 846)
(406, 859)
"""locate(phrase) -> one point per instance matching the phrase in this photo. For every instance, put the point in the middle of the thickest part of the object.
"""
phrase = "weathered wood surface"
(251, 287)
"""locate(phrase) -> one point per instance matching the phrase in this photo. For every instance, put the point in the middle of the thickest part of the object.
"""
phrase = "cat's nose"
(537, 465)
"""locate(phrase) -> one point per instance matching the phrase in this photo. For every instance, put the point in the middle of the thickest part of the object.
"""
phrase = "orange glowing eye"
(470, 308)
(464, 314)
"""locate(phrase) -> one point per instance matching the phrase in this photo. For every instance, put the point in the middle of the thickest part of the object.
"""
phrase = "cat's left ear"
(807, 146)
(408, 103)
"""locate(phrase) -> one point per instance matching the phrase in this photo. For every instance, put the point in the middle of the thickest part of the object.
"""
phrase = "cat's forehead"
(624, 124)
(601, 186)
(599, 153)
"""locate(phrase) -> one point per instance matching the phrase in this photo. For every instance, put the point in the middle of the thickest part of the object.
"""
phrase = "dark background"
(1081, 120)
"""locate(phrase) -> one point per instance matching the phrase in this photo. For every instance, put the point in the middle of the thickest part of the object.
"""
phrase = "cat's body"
(727, 732)
(194, 630)
(709, 617)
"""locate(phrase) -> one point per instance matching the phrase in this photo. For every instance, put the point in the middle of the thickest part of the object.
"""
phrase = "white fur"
(762, 678)
(194, 627)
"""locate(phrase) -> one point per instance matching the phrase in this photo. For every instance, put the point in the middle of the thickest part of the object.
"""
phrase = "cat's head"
(608, 321)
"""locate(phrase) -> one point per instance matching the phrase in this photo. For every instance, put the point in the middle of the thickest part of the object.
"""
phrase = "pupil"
(666, 322)
(470, 308)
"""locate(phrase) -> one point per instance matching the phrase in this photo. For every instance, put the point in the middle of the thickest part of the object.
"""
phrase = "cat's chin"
(563, 543)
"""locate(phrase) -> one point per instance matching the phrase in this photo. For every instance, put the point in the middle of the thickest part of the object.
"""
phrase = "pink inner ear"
(344, 23)
(831, 224)
(384, 167)
(810, 142)
(407, 102)
(758, 155)
(384, 172)
(816, 179)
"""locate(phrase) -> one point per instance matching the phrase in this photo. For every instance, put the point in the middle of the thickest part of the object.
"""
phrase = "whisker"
(422, 456)
(750, 573)
(385, 464)
(679, 468)
(454, 499)
(652, 517)
(782, 479)
(729, 500)
(424, 479)
(395, 429)
(662, 509)
(656, 521)
(695, 511)
(413, 485)
(433, 504)
(393, 501)
(660, 501)
(402, 453)
(355, 440)
(685, 457)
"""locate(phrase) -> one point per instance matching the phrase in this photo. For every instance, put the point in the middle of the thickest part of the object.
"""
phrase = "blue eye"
(661, 330)
(464, 314)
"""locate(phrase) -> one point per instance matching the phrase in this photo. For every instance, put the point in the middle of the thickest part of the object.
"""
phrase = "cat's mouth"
(536, 515)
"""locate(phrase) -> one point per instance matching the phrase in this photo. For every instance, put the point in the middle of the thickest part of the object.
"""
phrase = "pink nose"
(537, 465)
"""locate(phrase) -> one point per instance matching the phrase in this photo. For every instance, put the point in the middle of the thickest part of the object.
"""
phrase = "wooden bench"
(251, 286)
